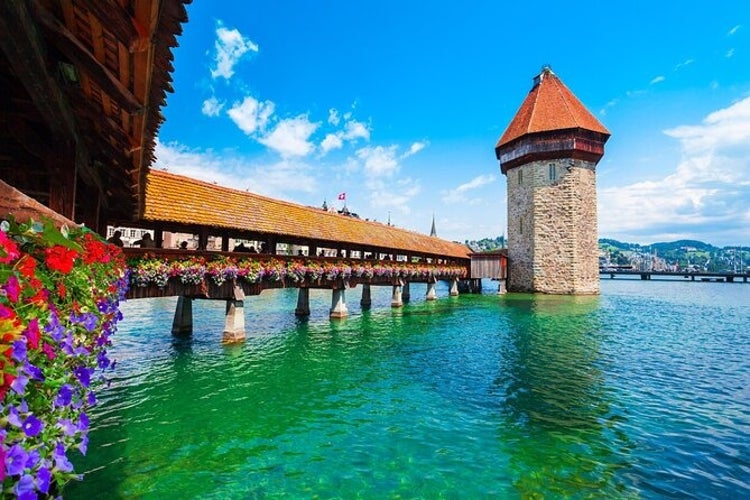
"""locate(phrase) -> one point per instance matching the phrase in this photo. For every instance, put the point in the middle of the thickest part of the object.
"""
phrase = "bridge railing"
(162, 272)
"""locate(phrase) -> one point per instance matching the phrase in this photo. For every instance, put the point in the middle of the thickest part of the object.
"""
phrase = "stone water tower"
(549, 154)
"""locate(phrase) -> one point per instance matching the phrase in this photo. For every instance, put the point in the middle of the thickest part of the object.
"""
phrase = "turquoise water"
(642, 392)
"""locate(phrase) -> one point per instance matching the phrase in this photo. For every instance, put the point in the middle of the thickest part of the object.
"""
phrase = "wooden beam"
(13, 201)
(116, 20)
(69, 45)
(62, 182)
(24, 48)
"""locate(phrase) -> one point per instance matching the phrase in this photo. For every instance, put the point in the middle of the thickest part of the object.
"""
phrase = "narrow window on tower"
(552, 172)
(520, 177)
(520, 225)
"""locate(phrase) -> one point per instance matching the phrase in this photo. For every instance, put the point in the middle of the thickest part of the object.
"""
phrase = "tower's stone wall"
(552, 227)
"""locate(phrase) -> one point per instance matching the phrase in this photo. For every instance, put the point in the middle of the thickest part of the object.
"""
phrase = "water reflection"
(558, 411)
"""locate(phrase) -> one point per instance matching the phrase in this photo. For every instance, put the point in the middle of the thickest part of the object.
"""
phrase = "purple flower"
(54, 328)
(91, 399)
(64, 395)
(67, 426)
(34, 457)
(19, 384)
(13, 417)
(15, 460)
(43, 478)
(32, 426)
(24, 488)
(61, 461)
(19, 351)
(83, 422)
(84, 446)
(102, 360)
(84, 375)
(35, 372)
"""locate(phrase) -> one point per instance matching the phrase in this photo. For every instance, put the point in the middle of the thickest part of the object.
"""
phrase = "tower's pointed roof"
(550, 106)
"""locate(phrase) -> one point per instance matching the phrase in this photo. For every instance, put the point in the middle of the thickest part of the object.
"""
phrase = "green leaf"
(54, 236)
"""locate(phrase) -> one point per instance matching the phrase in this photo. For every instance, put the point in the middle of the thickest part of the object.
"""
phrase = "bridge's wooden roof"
(177, 199)
(83, 85)
(550, 106)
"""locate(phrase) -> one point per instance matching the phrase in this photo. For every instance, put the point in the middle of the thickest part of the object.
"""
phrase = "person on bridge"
(115, 239)
(145, 242)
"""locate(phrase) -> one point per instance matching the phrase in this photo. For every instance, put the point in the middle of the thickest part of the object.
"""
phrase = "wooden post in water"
(454, 287)
(234, 320)
(366, 300)
(396, 298)
(338, 304)
(431, 294)
(303, 302)
(183, 317)
(405, 292)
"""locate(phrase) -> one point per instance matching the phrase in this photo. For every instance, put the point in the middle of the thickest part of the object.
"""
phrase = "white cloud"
(379, 161)
(331, 141)
(277, 180)
(657, 79)
(356, 130)
(291, 137)
(686, 62)
(395, 195)
(730, 53)
(458, 194)
(212, 106)
(333, 117)
(415, 148)
(251, 115)
(705, 197)
(734, 30)
(353, 130)
(230, 47)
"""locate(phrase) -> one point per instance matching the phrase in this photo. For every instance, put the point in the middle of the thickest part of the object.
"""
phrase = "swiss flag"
(342, 196)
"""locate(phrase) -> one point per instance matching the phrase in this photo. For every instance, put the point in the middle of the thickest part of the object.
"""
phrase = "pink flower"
(12, 288)
(32, 333)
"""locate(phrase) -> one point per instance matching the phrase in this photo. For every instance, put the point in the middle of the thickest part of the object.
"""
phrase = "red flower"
(8, 249)
(59, 258)
(27, 266)
(96, 251)
(61, 290)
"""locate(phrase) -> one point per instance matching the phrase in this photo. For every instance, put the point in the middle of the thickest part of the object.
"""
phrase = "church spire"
(432, 230)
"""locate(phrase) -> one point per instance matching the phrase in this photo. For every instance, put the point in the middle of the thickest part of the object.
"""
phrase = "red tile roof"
(182, 200)
(549, 106)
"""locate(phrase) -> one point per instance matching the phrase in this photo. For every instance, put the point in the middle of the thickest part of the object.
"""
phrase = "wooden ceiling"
(83, 85)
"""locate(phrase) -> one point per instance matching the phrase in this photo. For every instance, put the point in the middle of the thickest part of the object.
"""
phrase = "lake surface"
(642, 392)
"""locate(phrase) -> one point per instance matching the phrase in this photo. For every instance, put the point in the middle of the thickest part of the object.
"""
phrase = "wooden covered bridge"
(295, 246)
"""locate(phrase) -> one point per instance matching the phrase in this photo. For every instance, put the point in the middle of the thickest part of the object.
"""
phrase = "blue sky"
(399, 105)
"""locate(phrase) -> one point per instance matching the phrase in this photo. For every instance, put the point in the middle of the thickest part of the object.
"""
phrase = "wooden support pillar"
(159, 237)
(62, 182)
(454, 287)
(234, 321)
(431, 294)
(405, 292)
(224, 241)
(501, 289)
(202, 239)
(183, 317)
(338, 303)
(366, 300)
(303, 302)
(396, 298)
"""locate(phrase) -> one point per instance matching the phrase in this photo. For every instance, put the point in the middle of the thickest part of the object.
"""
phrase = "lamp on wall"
(68, 72)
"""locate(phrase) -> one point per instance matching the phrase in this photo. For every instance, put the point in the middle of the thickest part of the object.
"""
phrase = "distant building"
(549, 154)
